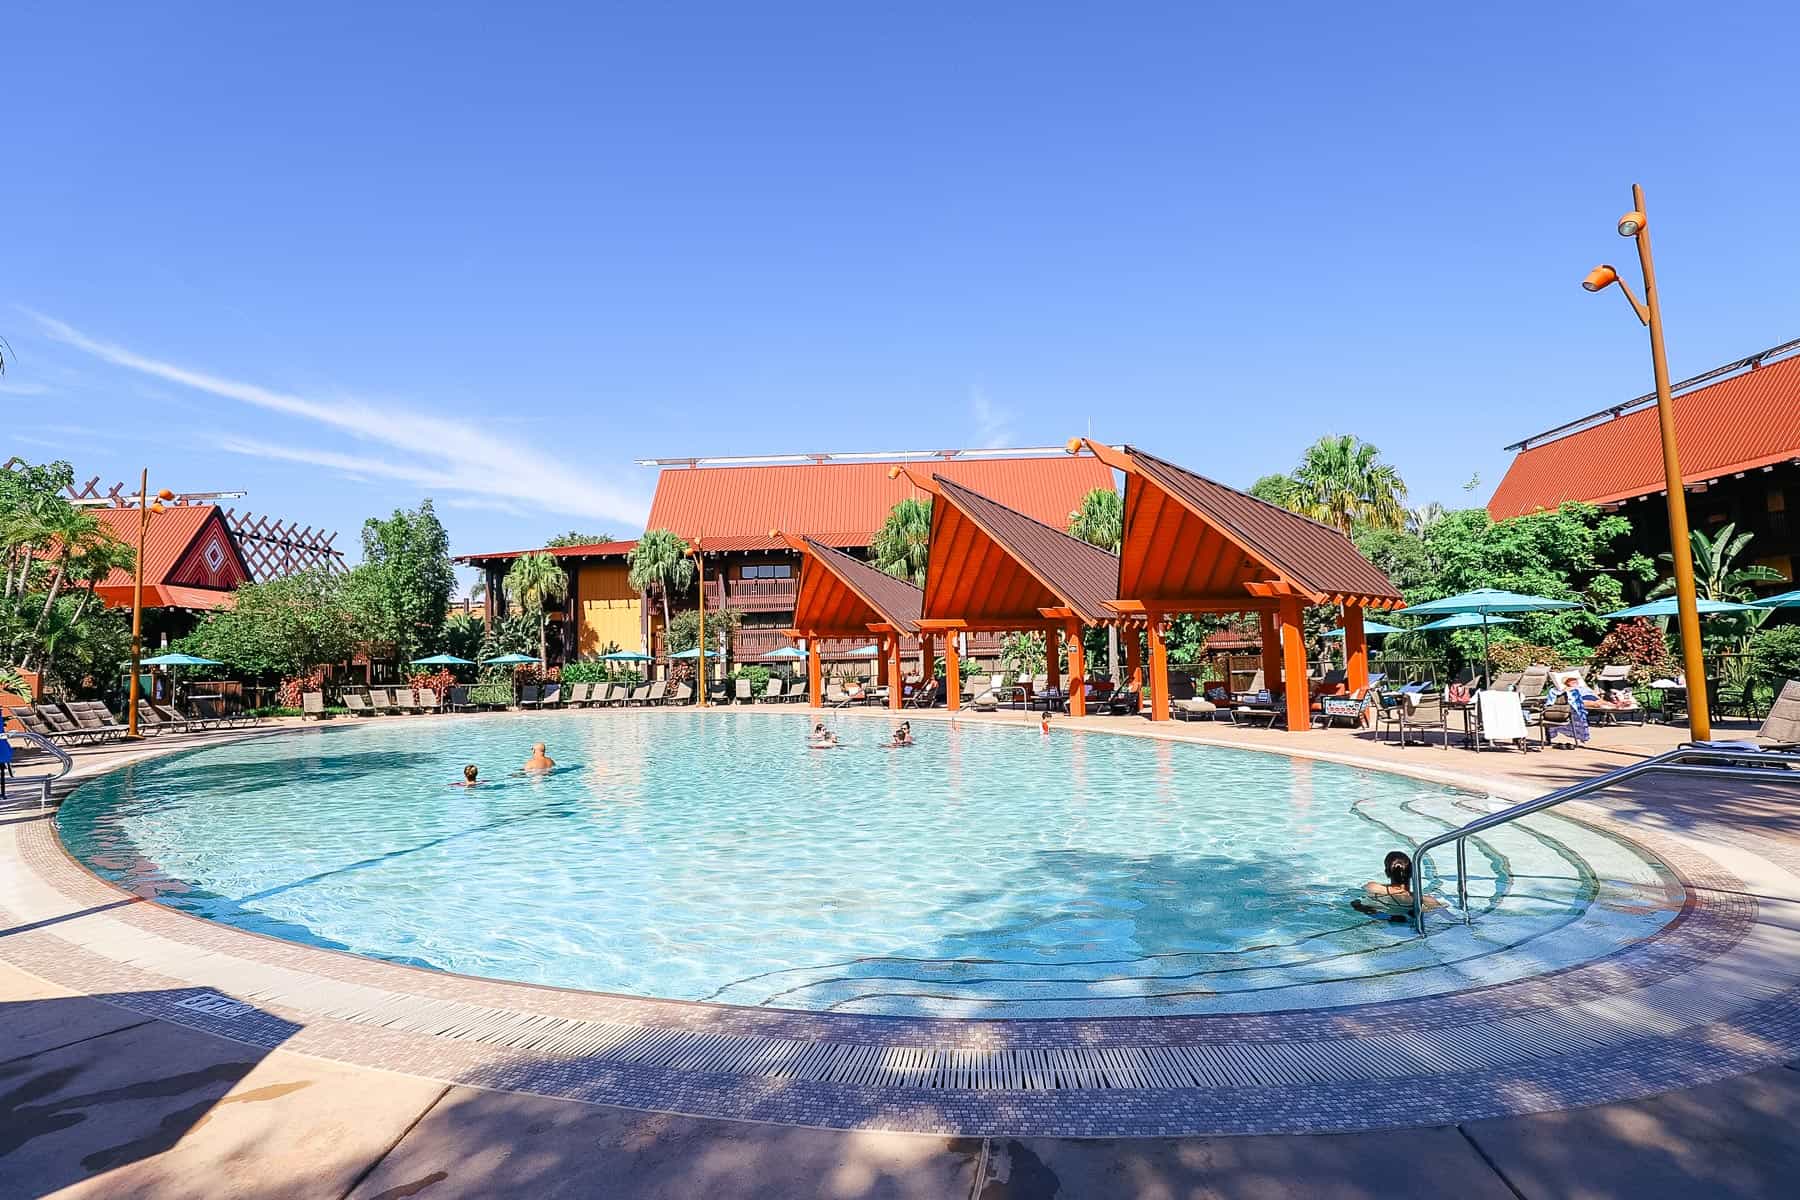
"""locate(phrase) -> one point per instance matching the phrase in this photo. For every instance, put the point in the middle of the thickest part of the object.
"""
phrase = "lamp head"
(165, 494)
(894, 471)
(1632, 223)
(1073, 446)
(1600, 278)
(156, 506)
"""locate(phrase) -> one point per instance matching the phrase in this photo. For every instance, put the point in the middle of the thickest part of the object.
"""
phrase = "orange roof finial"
(1100, 450)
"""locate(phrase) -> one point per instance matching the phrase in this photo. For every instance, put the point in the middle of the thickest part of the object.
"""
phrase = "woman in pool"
(1392, 897)
(902, 735)
(822, 738)
(469, 774)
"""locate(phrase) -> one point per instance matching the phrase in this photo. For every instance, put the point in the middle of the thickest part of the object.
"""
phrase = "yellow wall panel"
(610, 612)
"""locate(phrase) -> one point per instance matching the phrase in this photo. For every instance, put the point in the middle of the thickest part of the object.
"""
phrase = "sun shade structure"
(995, 569)
(1194, 545)
(1667, 607)
(179, 660)
(1485, 602)
(844, 597)
(1784, 600)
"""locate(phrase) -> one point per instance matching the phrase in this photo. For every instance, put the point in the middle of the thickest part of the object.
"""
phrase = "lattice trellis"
(274, 548)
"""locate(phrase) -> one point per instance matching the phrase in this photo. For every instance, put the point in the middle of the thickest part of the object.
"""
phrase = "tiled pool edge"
(1285, 1072)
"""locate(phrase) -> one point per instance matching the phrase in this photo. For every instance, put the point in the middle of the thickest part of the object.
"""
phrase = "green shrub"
(587, 672)
(1514, 655)
(1775, 655)
(758, 677)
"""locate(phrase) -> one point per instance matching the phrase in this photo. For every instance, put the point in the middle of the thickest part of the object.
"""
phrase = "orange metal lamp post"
(1636, 225)
(145, 508)
(700, 564)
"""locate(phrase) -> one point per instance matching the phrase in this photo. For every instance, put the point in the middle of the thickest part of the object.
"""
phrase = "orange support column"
(1077, 673)
(1271, 651)
(1052, 657)
(952, 674)
(1293, 654)
(1134, 657)
(896, 674)
(1356, 649)
(815, 682)
(1159, 670)
(927, 657)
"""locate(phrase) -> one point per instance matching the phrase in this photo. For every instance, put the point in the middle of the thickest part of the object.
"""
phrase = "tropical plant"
(1022, 654)
(402, 589)
(463, 632)
(577, 538)
(1342, 482)
(900, 546)
(1775, 656)
(1279, 489)
(683, 631)
(281, 627)
(659, 560)
(1717, 575)
(532, 583)
(1420, 520)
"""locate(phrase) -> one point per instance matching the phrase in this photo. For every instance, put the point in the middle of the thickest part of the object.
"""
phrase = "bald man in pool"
(539, 761)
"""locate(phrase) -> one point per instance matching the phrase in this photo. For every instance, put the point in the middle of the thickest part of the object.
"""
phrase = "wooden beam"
(1134, 661)
(1052, 657)
(1116, 459)
(944, 623)
(1056, 614)
(1159, 671)
(1293, 653)
(815, 692)
(1356, 649)
(896, 675)
(1271, 651)
(952, 675)
(1077, 671)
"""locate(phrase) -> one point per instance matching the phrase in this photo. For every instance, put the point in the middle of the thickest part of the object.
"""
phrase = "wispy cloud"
(441, 452)
(21, 387)
(993, 423)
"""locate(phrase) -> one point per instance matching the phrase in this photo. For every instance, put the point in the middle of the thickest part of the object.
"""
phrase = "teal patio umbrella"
(508, 660)
(1486, 603)
(1669, 606)
(1370, 629)
(179, 660)
(1463, 621)
(630, 656)
(788, 654)
(1785, 600)
(442, 660)
(690, 652)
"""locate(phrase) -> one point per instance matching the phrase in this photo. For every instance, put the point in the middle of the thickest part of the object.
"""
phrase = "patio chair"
(719, 691)
(775, 691)
(742, 692)
(639, 694)
(64, 727)
(1424, 711)
(458, 699)
(358, 704)
(1124, 701)
(1507, 681)
(382, 700)
(1534, 685)
(1502, 719)
(1352, 709)
(312, 704)
(924, 696)
(577, 695)
(551, 696)
(1194, 708)
(1613, 675)
(1780, 729)
(612, 694)
(529, 695)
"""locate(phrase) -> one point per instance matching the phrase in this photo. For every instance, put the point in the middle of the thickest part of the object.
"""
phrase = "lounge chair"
(836, 696)
(529, 695)
(458, 699)
(1257, 686)
(1507, 681)
(161, 720)
(1124, 701)
(430, 700)
(405, 701)
(1503, 719)
(358, 704)
(681, 693)
(924, 696)
(382, 700)
(658, 694)
(1193, 708)
(742, 692)
(312, 704)
(1353, 709)
(48, 721)
(1257, 709)
(574, 695)
(93, 715)
(1780, 729)
(774, 692)
(608, 694)
(592, 694)
(1534, 685)
(639, 694)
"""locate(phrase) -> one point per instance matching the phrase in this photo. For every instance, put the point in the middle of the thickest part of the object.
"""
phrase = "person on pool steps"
(1392, 897)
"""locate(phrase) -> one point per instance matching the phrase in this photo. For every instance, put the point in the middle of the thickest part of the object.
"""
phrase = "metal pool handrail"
(1715, 762)
(42, 743)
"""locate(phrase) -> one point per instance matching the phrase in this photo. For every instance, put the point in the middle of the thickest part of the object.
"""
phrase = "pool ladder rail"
(65, 764)
(1716, 762)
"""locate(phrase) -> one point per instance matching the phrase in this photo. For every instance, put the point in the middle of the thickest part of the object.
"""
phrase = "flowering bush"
(439, 681)
(1513, 655)
(1639, 644)
(294, 686)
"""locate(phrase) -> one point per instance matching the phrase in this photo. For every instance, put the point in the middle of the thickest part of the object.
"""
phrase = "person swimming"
(1044, 725)
(539, 761)
(822, 738)
(903, 735)
(1394, 894)
(468, 779)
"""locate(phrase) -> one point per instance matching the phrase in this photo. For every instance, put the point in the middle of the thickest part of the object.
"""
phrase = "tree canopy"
(403, 586)
(577, 538)
(900, 546)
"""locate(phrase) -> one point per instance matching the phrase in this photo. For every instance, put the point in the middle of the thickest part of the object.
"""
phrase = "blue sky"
(344, 258)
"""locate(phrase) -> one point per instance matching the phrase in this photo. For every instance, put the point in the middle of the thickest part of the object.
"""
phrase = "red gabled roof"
(1747, 421)
(844, 504)
(188, 547)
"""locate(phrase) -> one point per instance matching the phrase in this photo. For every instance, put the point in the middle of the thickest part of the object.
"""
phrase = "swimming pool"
(988, 871)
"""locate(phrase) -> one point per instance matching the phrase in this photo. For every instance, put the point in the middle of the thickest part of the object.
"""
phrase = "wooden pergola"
(993, 569)
(1192, 545)
(844, 597)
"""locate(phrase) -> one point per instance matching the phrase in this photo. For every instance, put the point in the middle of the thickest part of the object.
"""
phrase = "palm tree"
(1100, 521)
(1716, 573)
(659, 560)
(533, 581)
(1342, 482)
(1419, 520)
(74, 530)
(901, 546)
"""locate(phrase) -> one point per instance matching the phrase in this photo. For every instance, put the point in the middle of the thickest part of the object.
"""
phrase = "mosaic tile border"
(1671, 1011)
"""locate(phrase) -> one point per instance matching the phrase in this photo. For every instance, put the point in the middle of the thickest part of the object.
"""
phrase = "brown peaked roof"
(1083, 576)
(1315, 557)
(894, 600)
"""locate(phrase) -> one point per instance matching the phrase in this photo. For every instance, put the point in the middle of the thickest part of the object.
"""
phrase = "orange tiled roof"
(1737, 424)
(592, 550)
(844, 504)
(176, 550)
(167, 595)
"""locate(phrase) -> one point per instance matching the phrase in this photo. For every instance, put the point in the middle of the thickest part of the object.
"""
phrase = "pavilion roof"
(1191, 540)
(994, 567)
(841, 596)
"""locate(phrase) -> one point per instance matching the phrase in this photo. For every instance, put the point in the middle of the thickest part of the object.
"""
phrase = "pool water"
(987, 871)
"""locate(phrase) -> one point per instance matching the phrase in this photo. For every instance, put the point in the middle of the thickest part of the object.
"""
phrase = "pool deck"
(1668, 1070)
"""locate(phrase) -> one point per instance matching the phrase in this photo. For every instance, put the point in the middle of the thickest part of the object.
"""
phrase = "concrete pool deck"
(128, 1090)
